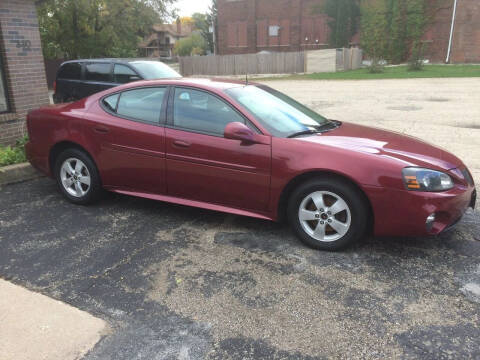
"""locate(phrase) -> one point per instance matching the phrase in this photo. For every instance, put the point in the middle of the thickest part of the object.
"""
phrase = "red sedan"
(249, 150)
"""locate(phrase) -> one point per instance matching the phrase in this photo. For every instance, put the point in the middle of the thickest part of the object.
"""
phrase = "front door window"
(199, 111)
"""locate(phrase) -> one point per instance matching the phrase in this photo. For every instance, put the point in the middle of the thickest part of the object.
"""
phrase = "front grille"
(468, 177)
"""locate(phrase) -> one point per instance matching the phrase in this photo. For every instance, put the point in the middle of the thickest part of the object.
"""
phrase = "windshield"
(155, 70)
(279, 114)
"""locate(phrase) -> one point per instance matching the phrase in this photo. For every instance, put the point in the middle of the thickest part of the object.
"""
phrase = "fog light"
(430, 221)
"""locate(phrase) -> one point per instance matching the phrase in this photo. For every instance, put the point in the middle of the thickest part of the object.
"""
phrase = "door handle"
(182, 144)
(101, 130)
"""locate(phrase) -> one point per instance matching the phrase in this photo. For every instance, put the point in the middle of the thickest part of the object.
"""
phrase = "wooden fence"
(271, 63)
(349, 59)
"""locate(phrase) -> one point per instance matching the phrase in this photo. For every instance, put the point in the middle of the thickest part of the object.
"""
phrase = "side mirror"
(239, 131)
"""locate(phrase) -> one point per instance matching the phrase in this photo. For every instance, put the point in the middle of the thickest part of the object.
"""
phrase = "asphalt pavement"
(175, 282)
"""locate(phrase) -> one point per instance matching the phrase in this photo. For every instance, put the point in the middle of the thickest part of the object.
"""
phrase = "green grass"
(13, 154)
(391, 72)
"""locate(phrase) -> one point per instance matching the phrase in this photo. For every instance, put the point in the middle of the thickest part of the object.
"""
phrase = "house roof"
(172, 29)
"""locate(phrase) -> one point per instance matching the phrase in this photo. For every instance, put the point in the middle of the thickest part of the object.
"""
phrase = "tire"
(328, 213)
(82, 175)
(56, 100)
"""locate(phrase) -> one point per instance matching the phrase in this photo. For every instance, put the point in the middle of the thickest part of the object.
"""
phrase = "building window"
(4, 103)
(273, 30)
(237, 34)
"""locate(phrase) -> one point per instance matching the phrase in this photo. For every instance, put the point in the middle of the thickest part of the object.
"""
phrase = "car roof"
(114, 60)
(205, 83)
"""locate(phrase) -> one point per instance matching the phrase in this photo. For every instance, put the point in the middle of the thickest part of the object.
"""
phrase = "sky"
(188, 7)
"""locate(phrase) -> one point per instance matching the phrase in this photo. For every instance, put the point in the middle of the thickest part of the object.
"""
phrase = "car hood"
(409, 150)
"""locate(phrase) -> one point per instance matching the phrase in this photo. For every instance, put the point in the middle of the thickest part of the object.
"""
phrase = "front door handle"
(101, 129)
(181, 143)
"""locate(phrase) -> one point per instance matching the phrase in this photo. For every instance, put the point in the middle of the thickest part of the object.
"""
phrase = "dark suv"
(81, 78)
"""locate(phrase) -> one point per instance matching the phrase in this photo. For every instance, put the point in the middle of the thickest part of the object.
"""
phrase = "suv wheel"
(328, 214)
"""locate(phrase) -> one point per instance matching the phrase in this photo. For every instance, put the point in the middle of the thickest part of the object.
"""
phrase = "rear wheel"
(328, 213)
(77, 177)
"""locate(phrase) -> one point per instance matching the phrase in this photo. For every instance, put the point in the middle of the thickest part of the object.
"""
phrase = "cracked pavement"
(178, 282)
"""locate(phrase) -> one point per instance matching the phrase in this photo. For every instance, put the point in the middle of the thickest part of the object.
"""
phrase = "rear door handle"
(101, 130)
(182, 144)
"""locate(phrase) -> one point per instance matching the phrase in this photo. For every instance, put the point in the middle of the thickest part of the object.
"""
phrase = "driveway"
(181, 283)
(445, 112)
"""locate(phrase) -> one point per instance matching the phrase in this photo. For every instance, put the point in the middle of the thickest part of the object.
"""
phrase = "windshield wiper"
(305, 132)
(329, 125)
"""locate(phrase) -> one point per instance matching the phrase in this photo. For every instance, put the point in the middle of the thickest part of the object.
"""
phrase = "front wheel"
(328, 213)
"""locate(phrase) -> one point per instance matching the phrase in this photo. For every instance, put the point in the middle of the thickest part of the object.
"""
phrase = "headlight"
(419, 179)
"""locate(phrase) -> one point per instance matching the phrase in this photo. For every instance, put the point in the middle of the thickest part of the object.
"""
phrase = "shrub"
(376, 67)
(192, 45)
(13, 154)
(416, 61)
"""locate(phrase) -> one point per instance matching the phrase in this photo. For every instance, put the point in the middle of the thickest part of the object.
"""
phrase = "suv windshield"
(154, 70)
(279, 114)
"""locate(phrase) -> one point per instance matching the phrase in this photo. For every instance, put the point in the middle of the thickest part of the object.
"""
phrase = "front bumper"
(405, 213)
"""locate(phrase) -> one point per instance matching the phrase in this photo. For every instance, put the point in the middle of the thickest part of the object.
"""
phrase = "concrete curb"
(17, 173)
(35, 326)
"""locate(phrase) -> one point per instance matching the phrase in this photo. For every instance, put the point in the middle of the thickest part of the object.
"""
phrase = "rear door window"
(142, 104)
(98, 72)
(122, 74)
(70, 71)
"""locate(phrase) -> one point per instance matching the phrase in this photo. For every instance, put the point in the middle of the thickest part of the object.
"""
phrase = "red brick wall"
(466, 41)
(466, 38)
(295, 18)
(24, 67)
(298, 24)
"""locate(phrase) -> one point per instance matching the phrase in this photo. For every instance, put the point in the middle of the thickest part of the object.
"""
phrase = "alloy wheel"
(324, 216)
(75, 177)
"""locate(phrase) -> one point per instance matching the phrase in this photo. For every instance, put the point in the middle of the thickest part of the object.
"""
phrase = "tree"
(343, 20)
(187, 20)
(396, 14)
(403, 23)
(97, 28)
(195, 44)
(374, 29)
(202, 24)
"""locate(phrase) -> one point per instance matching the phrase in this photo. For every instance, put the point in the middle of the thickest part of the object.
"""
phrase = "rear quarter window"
(97, 72)
(70, 71)
(111, 102)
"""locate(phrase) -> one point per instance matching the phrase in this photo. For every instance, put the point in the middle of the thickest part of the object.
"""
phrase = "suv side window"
(97, 72)
(70, 71)
(140, 104)
(122, 74)
(199, 111)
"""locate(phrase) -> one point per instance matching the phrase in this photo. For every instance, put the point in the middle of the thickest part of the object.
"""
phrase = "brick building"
(23, 85)
(466, 35)
(250, 26)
